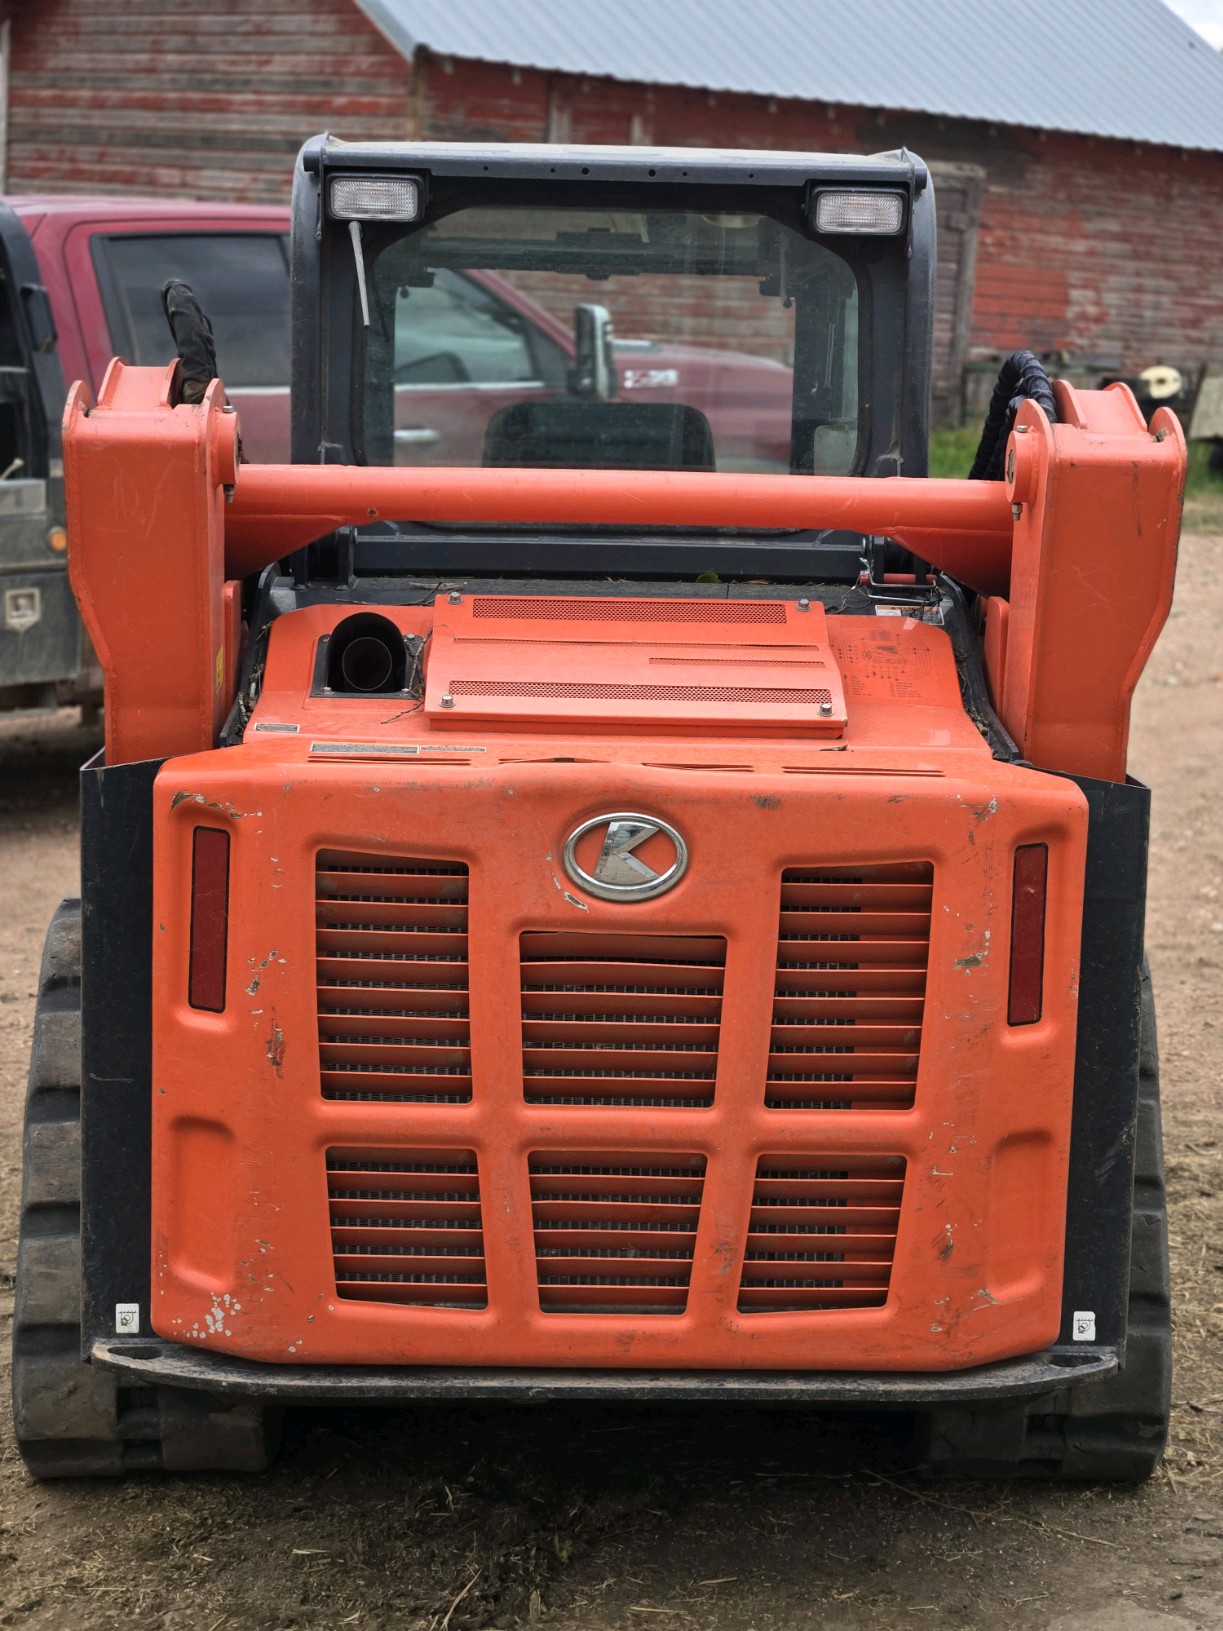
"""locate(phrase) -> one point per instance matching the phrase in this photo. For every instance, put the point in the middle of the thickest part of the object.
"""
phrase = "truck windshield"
(672, 339)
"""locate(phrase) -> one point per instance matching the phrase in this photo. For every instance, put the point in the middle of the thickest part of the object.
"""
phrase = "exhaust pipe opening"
(367, 664)
(366, 656)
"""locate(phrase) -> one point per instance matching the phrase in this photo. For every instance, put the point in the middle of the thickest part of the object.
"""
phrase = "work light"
(375, 198)
(877, 213)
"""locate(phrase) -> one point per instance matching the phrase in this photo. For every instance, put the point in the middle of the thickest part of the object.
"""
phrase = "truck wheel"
(1116, 1429)
(71, 1418)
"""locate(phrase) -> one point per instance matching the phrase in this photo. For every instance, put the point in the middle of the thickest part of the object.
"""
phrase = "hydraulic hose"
(1021, 378)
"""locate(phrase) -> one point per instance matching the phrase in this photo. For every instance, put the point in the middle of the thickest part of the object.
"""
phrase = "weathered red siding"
(1105, 249)
(180, 97)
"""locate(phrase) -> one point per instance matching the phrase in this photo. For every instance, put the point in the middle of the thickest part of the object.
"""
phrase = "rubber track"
(70, 1418)
(1114, 1430)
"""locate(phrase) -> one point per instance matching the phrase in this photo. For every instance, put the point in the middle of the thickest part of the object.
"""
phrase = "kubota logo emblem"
(619, 872)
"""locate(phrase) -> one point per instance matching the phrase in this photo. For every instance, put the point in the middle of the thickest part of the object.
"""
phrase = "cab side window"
(241, 279)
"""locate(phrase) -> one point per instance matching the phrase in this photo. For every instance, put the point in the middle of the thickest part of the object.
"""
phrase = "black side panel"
(913, 417)
(116, 1040)
(31, 344)
(1106, 1063)
(829, 556)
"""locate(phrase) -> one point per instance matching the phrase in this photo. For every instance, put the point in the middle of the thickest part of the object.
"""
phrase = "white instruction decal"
(398, 750)
(127, 1319)
(1084, 1327)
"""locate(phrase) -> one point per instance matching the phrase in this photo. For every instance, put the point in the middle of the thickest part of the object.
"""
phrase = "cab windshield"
(598, 337)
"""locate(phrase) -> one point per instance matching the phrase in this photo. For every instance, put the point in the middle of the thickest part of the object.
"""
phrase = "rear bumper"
(166, 1364)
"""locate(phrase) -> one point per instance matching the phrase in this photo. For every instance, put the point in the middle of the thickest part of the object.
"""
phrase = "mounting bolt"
(825, 707)
(1016, 511)
(447, 700)
(455, 598)
(804, 604)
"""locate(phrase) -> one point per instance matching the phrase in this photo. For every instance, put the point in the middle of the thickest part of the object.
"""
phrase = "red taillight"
(209, 918)
(1028, 934)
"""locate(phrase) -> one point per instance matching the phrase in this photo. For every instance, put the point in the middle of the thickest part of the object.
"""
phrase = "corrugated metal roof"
(1124, 68)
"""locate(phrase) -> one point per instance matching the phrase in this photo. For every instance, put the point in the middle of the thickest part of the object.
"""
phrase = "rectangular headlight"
(882, 214)
(375, 198)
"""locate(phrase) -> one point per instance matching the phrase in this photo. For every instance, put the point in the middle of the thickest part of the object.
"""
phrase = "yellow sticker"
(220, 676)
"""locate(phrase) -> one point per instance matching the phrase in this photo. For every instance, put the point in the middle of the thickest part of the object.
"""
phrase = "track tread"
(71, 1419)
(1113, 1430)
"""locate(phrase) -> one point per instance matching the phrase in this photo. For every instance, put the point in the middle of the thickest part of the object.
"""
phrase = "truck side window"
(241, 280)
(14, 379)
(457, 333)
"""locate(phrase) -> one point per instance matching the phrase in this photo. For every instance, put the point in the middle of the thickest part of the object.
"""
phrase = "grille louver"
(620, 1018)
(851, 983)
(615, 1232)
(822, 1233)
(405, 1227)
(392, 979)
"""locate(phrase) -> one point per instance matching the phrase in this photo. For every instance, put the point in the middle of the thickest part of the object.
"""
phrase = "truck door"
(241, 279)
(40, 634)
(464, 348)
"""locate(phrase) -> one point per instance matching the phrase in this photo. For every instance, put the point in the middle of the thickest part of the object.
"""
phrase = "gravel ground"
(728, 1520)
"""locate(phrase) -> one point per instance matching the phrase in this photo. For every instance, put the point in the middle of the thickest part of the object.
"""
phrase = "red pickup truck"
(80, 283)
(473, 343)
(103, 262)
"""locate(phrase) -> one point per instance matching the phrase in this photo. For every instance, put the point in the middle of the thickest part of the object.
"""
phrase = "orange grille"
(392, 979)
(405, 1227)
(822, 1233)
(851, 982)
(543, 609)
(621, 1018)
(614, 1232)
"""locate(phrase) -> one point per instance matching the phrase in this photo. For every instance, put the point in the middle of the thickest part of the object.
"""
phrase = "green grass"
(1203, 492)
(952, 453)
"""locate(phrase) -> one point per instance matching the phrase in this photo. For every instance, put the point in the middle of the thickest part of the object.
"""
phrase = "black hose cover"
(193, 339)
(1021, 378)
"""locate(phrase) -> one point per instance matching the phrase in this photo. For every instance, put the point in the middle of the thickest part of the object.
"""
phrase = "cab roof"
(538, 161)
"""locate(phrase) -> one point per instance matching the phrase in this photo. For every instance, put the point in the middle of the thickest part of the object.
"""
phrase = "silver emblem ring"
(619, 874)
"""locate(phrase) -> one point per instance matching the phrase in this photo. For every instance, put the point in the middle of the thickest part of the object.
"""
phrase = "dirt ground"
(733, 1521)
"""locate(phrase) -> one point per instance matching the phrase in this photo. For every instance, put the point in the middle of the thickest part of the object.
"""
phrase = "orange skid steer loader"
(629, 915)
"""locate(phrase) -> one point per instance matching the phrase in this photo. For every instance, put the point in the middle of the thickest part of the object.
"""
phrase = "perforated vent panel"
(406, 1228)
(392, 979)
(620, 1018)
(598, 663)
(541, 609)
(615, 1232)
(583, 691)
(822, 1233)
(851, 983)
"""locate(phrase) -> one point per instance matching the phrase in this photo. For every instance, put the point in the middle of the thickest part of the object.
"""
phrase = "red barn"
(1077, 149)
